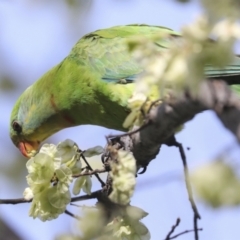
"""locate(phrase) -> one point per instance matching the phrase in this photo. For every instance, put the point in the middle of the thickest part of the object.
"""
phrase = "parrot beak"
(28, 149)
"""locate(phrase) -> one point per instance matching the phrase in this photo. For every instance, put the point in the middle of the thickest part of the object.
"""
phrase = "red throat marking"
(66, 117)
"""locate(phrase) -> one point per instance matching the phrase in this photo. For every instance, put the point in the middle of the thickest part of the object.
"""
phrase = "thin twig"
(153, 103)
(75, 205)
(130, 132)
(74, 199)
(71, 214)
(86, 197)
(145, 123)
(187, 231)
(14, 201)
(172, 142)
(93, 172)
(173, 229)
(83, 206)
(89, 167)
(196, 215)
(188, 185)
(82, 198)
(195, 225)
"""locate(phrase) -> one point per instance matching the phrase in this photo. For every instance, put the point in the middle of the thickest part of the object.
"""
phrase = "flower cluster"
(173, 63)
(217, 184)
(50, 174)
(128, 226)
(123, 175)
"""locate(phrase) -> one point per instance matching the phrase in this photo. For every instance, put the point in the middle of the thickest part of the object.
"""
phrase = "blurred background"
(36, 35)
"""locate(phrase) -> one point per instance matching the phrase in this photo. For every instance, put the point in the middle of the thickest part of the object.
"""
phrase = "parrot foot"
(144, 169)
(111, 142)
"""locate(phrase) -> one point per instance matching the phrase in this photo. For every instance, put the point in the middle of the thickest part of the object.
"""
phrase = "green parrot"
(90, 86)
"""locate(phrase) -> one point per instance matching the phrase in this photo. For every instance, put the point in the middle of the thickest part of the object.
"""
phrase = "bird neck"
(65, 98)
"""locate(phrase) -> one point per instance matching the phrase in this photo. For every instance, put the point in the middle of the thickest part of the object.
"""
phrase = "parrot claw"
(104, 157)
(143, 170)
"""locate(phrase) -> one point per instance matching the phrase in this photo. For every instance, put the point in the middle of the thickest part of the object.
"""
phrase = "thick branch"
(169, 116)
(90, 173)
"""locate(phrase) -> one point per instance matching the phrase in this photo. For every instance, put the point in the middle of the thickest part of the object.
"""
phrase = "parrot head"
(21, 133)
(30, 123)
(27, 147)
(27, 144)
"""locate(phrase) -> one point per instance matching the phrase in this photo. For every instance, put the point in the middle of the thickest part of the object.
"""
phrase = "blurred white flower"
(226, 30)
(28, 194)
(128, 227)
(217, 184)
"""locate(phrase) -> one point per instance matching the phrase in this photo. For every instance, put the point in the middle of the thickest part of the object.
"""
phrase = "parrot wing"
(106, 51)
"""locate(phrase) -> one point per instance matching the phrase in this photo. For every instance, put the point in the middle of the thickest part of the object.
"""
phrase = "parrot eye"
(16, 127)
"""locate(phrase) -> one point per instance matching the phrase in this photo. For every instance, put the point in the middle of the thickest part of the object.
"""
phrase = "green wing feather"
(106, 52)
(229, 73)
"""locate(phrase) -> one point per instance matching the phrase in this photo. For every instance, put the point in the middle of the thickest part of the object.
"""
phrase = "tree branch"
(93, 172)
(172, 142)
(14, 201)
(187, 231)
(165, 119)
(173, 229)
(72, 215)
